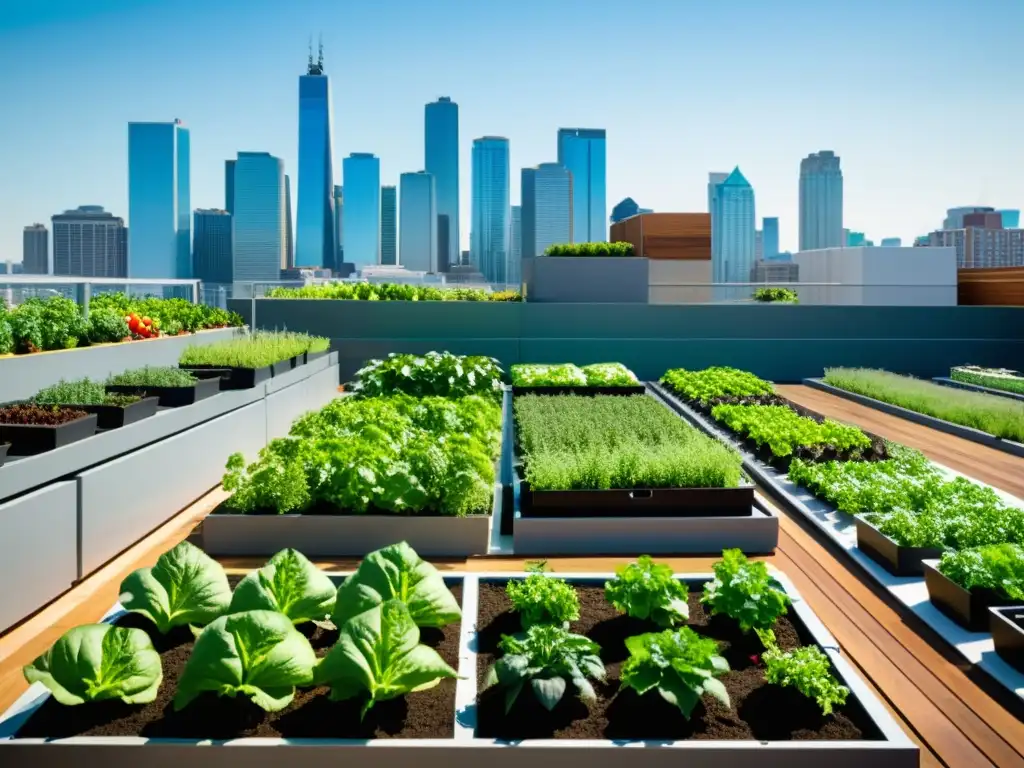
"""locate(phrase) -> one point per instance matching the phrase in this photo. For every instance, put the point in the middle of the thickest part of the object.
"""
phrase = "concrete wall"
(781, 342)
(679, 281)
(604, 279)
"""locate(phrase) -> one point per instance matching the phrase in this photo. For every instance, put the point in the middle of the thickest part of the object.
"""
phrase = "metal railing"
(81, 289)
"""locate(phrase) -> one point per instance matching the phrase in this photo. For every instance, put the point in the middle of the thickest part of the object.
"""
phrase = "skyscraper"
(821, 202)
(388, 224)
(714, 179)
(547, 216)
(417, 222)
(315, 230)
(582, 151)
(892, 242)
(361, 175)
(770, 236)
(1011, 218)
(339, 228)
(159, 203)
(514, 271)
(89, 242)
(489, 230)
(626, 208)
(734, 225)
(35, 250)
(211, 246)
(229, 186)
(289, 235)
(441, 151)
(259, 251)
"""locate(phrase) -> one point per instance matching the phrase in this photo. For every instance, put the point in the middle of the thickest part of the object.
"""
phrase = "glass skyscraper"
(339, 227)
(417, 222)
(821, 202)
(259, 249)
(514, 271)
(159, 205)
(582, 151)
(441, 144)
(388, 224)
(89, 242)
(315, 246)
(548, 199)
(211, 248)
(734, 225)
(289, 234)
(361, 220)
(489, 231)
(770, 237)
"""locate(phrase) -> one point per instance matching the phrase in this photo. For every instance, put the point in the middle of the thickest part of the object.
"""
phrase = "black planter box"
(281, 367)
(968, 608)
(585, 391)
(174, 397)
(30, 439)
(232, 378)
(1007, 627)
(114, 416)
(4, 447)
(311, 356)
(897, 560)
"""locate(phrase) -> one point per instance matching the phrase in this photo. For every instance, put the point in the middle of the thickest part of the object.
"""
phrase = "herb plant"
(541, 375)
(185, 586)
(6, 332)
(679, 664)
(289, 584)
(996, 567)
(39, 415)
(80, 392)
(153, 376)
(98, 662)
(714, 383)
(994, 378)
(648, 590)
(435, 373)
(258, 654)
(809, 671)
(255, 350)
(396, 572)
(743, 590)
(318, 344)
(543, 599)
(106, 326)
(379, 655)
(547, 658)
(783, 430)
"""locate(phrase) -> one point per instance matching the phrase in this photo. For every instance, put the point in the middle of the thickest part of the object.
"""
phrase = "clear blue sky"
(921, 98)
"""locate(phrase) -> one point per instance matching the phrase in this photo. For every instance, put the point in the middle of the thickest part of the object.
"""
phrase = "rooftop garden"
(591, 249)
(389, 292)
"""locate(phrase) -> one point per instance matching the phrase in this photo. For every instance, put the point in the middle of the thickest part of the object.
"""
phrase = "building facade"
(361, 176)
(35, 250)
(441, 160)
(821, 201)
(774, 271)
(315, 246)
(733, 226)
(582, 151)
(1011, 218)
(714, 179)
(489, 229)
(955, 216)
(981, 246)
(159, 201)
(89, 242)
(625, 209)
(289, 231)
(259, 251)
(514, 270)
(417, 221)
(211, 246)
(229, 186)
(891, 242)
(770, 237)
(389, 224)
(339, 226)
(548, 214)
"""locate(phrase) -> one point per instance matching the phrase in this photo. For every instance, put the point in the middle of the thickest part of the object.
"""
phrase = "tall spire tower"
(314, 231)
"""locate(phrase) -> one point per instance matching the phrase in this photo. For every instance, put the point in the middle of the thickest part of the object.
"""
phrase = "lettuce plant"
(397, 572)
(378, 653)
(258, 654)
(648, 590)
(808, 670)
(542, 599)
(713, 383)
(997, 567)
(680, 664)
(185, 586)
(743, 590)
(289, 584)
(783, 430)
(435, 373)
(97, 662)
(547, 658)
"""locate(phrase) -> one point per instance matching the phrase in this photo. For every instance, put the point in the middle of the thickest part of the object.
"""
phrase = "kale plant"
(648, 590)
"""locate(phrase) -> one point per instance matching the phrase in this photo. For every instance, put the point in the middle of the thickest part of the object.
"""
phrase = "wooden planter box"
(897, 560)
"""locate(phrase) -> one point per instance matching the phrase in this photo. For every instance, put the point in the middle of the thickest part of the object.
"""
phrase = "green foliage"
(258, 654)
(591, 249)
(318, 344)
(26, 328)
(379, 655)
(547, 658)
(47, 324)
(679, 664)
(542, 599)
(648, 590)
(396, 572)
(994, 378)
(609, 375)
(289, 584)
(80, 392)
(6, 332)
(153, 376)
(569, 375)
(712, 383)
(996, 567)
(389, 292)
(435, 373)
(744, 590)
(170, 315)
(783, 430)
(107, 326)
(98, 662)
(569, 442)
(775, 295)
(995, 415)
(809, 671)
(185, 586)
(254, 350)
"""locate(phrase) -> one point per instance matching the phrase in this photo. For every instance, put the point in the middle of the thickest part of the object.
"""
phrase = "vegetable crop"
(809, 671)
(648, 590)
(996, 567)
(255, 350)
(153, 376)
(569, 375)
(994, 378)
(439, 374)
(288, 584)
(782, 430)
(543, 599)
(715, 383)
(39, 415)
(744, 590)
(80, 392)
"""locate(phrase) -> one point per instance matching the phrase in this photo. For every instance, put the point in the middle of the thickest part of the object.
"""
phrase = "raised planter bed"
(897, 560)
(4, 447)
(116, 416)
(967, 607)
(311, 356)
(1007, 626)
(175, 397)
(33, 439)
(948, 382)
(233, 378)
(967, 433)
(584, 391)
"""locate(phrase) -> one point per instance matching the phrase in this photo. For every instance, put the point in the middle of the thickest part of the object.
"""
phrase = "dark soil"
(425, 715)
(759, 711)
(39, 415)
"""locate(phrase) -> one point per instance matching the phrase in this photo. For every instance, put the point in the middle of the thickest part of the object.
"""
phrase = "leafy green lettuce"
(289, 584)
(648, 590)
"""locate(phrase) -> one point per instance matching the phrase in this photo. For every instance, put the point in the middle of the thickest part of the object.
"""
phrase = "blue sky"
(921, 99)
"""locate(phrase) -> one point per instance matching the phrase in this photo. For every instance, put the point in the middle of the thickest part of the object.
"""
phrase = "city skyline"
(901, 170)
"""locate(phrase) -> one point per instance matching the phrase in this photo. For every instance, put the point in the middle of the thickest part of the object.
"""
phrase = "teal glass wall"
(1011, 218)
(582, 151)
(490, 230)
(441, 142)
(315, 246)
(259, 248)
(361, 215)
